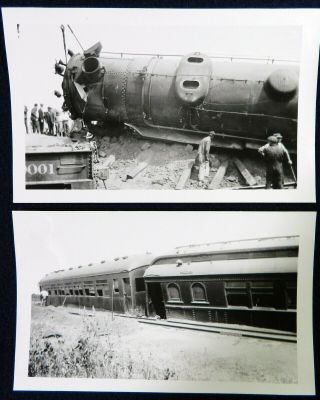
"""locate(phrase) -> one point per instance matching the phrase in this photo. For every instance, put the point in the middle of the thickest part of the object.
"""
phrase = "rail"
(243, 331)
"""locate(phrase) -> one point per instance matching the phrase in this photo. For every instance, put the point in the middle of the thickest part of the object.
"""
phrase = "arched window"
(173, 292)
(198, 292)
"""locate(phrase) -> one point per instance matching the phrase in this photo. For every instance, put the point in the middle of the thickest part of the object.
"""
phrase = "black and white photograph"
(148, 104)
(206, 302)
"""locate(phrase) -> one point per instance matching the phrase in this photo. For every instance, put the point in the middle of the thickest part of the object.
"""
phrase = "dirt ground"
(155, 352)
(165, 162)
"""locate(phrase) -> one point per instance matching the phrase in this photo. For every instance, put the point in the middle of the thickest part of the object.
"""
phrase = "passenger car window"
(198, 292)
(173, 292)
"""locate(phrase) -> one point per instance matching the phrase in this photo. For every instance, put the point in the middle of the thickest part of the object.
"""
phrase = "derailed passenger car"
(246, 282)
(116, 285)
(252, 282)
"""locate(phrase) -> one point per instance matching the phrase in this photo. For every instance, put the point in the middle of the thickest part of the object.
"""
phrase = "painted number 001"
(41, 169)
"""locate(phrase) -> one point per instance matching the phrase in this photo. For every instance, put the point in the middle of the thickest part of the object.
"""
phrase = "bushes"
(93, 354)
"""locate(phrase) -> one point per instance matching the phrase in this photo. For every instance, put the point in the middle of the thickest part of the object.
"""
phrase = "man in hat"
(204, 148)
(65, 123)
(93, 147)
(26, 118)
(41, 118)
(35, 119)
(203, 155)
(50, 120)
(274, 156)
(279, 138)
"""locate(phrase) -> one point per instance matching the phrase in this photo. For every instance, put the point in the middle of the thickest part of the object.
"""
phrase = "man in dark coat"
(274, 156)
(26, 118)
(50, 121)
(41, 118)
(35, 119)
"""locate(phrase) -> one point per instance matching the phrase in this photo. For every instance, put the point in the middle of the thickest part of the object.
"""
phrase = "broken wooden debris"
(217, 179)
(136, 170)
(185, 176)
(52, 334)
(244, 172)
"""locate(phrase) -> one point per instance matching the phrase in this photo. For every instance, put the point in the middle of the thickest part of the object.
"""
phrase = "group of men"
(274, 153)
(49, 122)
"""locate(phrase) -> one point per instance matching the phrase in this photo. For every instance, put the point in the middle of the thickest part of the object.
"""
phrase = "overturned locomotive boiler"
(182, 98)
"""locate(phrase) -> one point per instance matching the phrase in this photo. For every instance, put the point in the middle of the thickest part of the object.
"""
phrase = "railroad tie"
(217, 179)
(244, 172)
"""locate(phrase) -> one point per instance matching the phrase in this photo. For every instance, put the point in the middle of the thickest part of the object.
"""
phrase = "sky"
(38, 45)
(48, 241)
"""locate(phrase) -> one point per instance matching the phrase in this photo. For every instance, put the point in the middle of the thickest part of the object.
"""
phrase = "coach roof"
(233, 246)
(223, 267)
(118, 265)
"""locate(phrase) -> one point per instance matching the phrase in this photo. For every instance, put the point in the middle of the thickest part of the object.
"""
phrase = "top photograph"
(164, 105)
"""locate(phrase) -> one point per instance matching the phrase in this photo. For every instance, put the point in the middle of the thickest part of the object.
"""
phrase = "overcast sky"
(38, 44)
(47, 241)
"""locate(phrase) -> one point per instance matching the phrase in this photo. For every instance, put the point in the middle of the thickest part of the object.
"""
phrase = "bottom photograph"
(205, 302)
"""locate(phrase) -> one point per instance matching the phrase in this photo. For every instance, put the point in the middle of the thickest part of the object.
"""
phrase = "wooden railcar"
(116, 285)
(250, 282)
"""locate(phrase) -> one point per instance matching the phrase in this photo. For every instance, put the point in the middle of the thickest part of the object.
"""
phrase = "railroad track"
(245, 331)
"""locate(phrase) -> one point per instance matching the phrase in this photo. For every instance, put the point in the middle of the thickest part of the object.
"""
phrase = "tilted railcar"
(251, 282)
(246, 282)
(182, 98)
(116, 285)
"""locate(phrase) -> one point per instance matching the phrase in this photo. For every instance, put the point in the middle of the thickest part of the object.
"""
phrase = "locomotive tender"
(246, 282)
(181, 98)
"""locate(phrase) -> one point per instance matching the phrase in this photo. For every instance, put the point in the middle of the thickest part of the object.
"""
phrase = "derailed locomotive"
(182, 98)
(248, 282)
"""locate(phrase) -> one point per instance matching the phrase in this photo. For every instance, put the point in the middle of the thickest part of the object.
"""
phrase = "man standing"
(58, 123)
(93, 147)
(204, 148)
(41, 118)
(26, 118)
(35, 119)
(50, 121)
(274, 156)
(65, 123)
(43, 297)
(202, 159)
(279, 138)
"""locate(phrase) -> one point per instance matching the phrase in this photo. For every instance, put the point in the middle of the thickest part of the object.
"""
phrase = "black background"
(7, 255)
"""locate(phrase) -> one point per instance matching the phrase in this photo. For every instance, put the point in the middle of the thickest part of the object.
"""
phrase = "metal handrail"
(231, 58)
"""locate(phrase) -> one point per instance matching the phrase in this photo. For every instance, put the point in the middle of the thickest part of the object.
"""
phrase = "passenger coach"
(246, 282)
(249, 282)
(113, 285)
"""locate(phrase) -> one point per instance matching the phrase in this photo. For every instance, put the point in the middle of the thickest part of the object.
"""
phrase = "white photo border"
(307, 19)
(299, 223)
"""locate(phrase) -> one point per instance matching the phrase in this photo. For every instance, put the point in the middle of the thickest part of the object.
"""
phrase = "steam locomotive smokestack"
(91, 68)
(71, 53)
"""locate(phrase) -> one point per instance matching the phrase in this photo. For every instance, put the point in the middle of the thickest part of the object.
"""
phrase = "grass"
(72, 342)
(88, 356)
